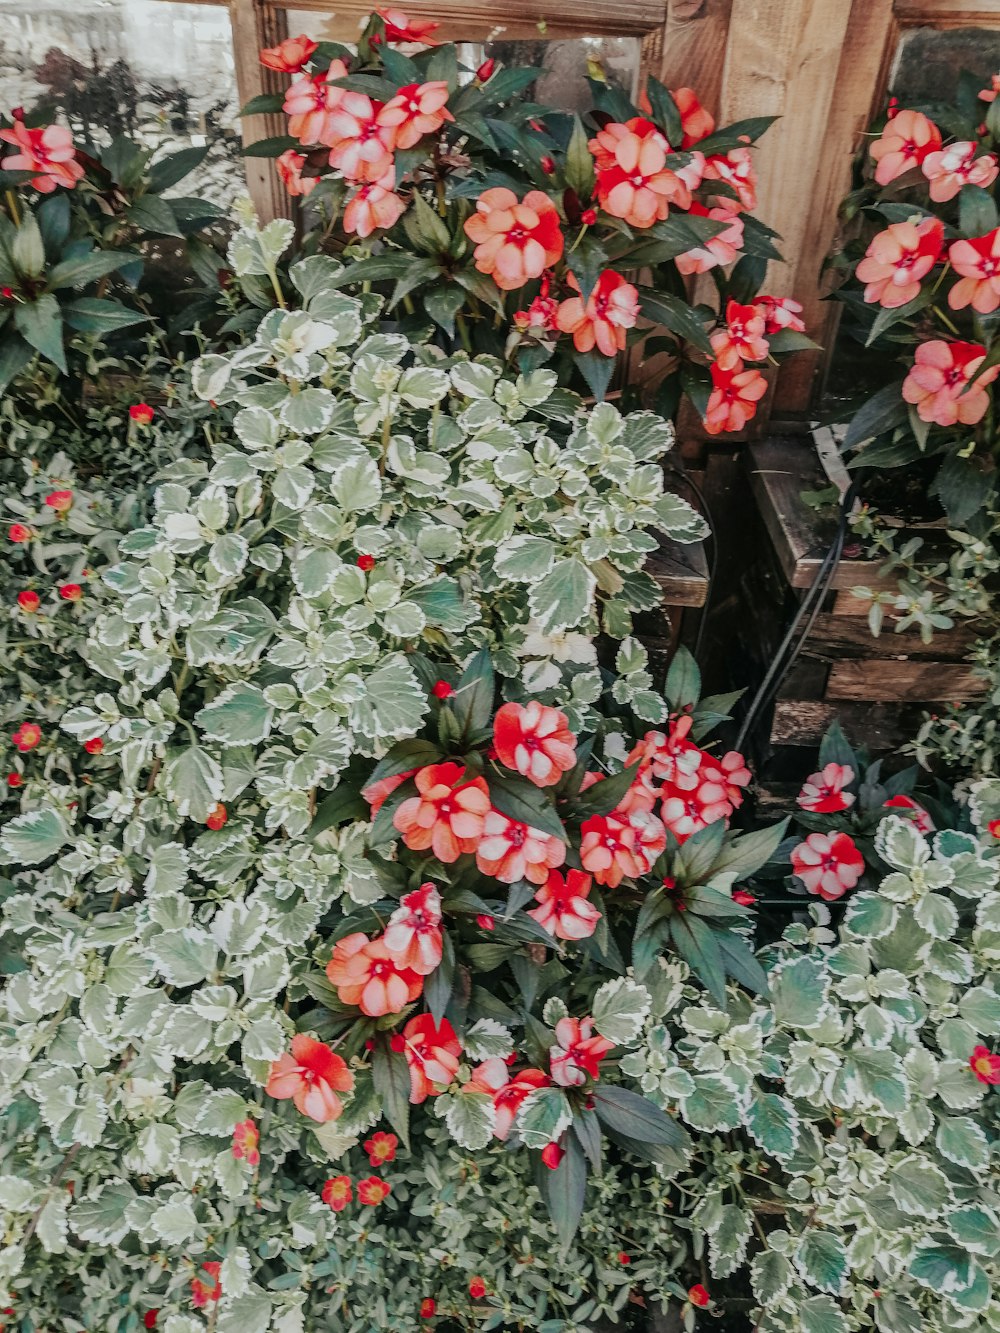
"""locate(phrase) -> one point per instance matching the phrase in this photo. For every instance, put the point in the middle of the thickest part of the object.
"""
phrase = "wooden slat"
(833, 637)
(880, 727)
(947, 14)
(908, 682)
(681, 572)
(257, 24)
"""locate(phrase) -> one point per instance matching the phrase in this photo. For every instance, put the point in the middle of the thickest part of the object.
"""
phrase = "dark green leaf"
(152, 213)
(521, 801)
(391, 1077)
(596, 369)
(40, 324)
(695, 859)
(506, 84)
(587, 1129)
(733, 136)
(579, 162)
(790, 340)
(165, 173)
(322, 989)
(401, 69)
(963, 488)
(835, 748)
(438, 986)
(53, 220)
(602, 797)
(739, 962)
(77, 272)
(443, 303)
(564, 1189)
(472, 702)
(273, 147)
(744, 855)
(683, 683)
(698, 946)
(977, 211)
(341, 806)
(886, 318)
(677, 316)
(626, 1112)
(264, 104)
(665, 111)
(15, 355)
(91, 314)
(880, 413)
(404, 757)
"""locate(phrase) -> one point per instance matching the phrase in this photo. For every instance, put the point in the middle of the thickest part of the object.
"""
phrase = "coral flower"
(49, 152)
(373, 206)
(416, 110)
(510, 851)
(828, 864)
(337, 1193)
(563, 909)
(937, 383)
(897, 259)
(736, 170)
(699, 1296)
(288, 56)
(477, 1288)
(985, 1066)
(312, 1075)
(246, 1143)
(207, 1288)
(535, 740)
(290, 165)
(734, 397)
(719, 250)
(19, 533)
(507, 1100)
(413, 935)
(989, 94)
(377, 793)
(696, 122)
(633, 180)
(60, 501)
(578, 1054)
(28, 601)
(957, 165)
(141, 413)
(978, 262)
(780, 312)
(27, 736)
(310, 102)
(447, 816)
(373, 1191)
(906, 140)
(612, 308)
(432, 1052)
(612, 847)
(360, 147)
(399, 28)
(515, 242)
(381, 1148)
(919, 817)
(368, 975)
(743, 337)
(823, 793)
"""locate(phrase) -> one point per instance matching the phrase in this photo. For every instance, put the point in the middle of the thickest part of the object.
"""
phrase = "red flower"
(699, 1296)
(17, 532)
(27, 736)
(310, 102)
(428, 1306)
(563, 908)
(978, 262)
(535, 740)
(993, 828)
(208, 1288)
(540, 317)
(374, 205)
(823, 793)
(337, 1193)
(990, 94)
(399, 28)
(14, 780)
(734, 397)
(373, 1190)
(290, 165)
(736, 170)
(377, 793)
(508, 1099)
(578, 1054)
(907, 139)
(510, 851)
(368, 975)
(719, 250)
(634, 182)
(413, 935)
(623, 1258)
(938, 380)
(614, 847)
(442, 690)
(60, 501)
(71, 592)
(94, 746)
(696, 122)
(611, 308)
(828, 864)
(919, 816)
(950, 168)
(552, 1155)
(898, 259)
(28, 601)
(780, 312)
(288, 56)
(742, 897)
(477, 1288)
(360, 145)
(417, 109)
(432, 1052)
(246, 1141)
(149, 1318)
(217, 817)
(141, 413)
(485, 922)
(49, 151)
(447, 816)
(311, 1075)
(515, 240)
(588, 217)
(381, 1148)
(485, 71)
(743, 337)
(985, 1066)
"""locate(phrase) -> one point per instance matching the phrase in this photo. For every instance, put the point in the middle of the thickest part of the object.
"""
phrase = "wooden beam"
(694, 47)
(909, 682)
(256, 24)
(947, 14)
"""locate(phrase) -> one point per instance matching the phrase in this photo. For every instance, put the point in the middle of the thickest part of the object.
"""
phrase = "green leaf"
(543, 1117)
(619, 1008)
(770, 1276)
(562, 599)
(40, 324)
(821, 1314)
(470, 1117)
(167, 171)
(798, 993)
(15, 355)
(27, 249)
(744, 854)
(92, 314)
(521, 800)
(193, 781)
(675, 314)
(918, 1187)
(734, 136)
(697, 945)
(596, 369)
(665, 111)
(683, 683)
(272, 147)
(264, 104)
(240, 715)
(438, 986)
(391, 1077)
(33, 837)
(941, 1267)
(977, 211)
(151, 213)
(564, 1190)
(626, 1112)
(880, 1077)
(579, 162)
(602, 797)
(880, 413)
(963, 1142)
(963, 488)
(774, 1123)
(404, 757)
(740, 962)
(79, 271)
(472, 702)
(822, 1260)
(443, 303)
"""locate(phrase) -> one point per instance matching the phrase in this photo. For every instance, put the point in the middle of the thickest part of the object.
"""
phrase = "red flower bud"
(588, 217)
(17, 532)
(94, 746)
(366, 562)
(70, 592)
(149, 1318)
(141, 413)
(697, 1295)
(28, 601)
(7, 293)
(485, 922)
(993, 828)
(548, 166)
(552, 1155)
(370, 1044)
(477, 1288)
(623, 1258)
(217, 817)
(16, 114)
(397, 1042)
(14, 779)
(744, 898)
(485, 70)
(442, 690)
(60, 501)
(428, 1307)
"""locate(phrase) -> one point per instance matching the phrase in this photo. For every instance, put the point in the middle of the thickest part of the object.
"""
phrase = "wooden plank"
(947, 14)
(908, 682)
(833, 637)
(694, 47)
(257, 24)
(681, 572)
(880, 727)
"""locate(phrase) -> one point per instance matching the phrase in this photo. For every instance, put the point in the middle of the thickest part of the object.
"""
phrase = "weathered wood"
(947, 13)
(906, 682)
(880, 727)
(694, 47)
(257, 24)
(681, 572)
(833, 637)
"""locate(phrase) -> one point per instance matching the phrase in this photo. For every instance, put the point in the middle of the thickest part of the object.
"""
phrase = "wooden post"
(693, 47)
(257, 23)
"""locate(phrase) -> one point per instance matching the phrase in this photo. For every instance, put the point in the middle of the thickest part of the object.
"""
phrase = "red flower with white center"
(366, 974)
(399, 28)
(823, 792)
(60, 501)
(919, 817)
(535, 741)
(614, 848)
(373, 1191)
(578, 1053)
(984, 1065)
(510, 851)
(507, 1101)
(360, 147)
(27, 736)
(448, 814)
(634, 182)
(28, 601)
(246, 1143)
(515, 240)
(698, 1295)
(563, 909)
(19, 533)
(743, 337)
(477, 1288)
(552, 1155)
(205, 1285)
(938, 379)
(978, 262)
(696, 122)
(907, 139)
(312, 1076)
(417, 109)
(642, 795)
(687, 812)
(374, 205)
(718, 251)
(442, 689)
(950, 168)
(288, 56)
(898, 259)
(381, 1148)
(71, 592)
(141, 413)
(48, 151)
(377, 793)
(611, 309)
(310, 102)
(734, 397)
(781, 312)
(668, 755)
(337, 1193)
(828, 864)
(736, 170)
(413, 935)
(432, 1052)
(289, 166)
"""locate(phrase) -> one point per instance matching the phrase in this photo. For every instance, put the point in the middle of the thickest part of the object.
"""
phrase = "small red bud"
(217, 817)
(588, 217)
(548, 166)
(442, 690)
(366, 562)
(485, 922)
(14, 779)
(485, 70)
(428, 1306)
(28, 601)
(552, 1155)
(477, 1288)
(141, 413)
(94, 746)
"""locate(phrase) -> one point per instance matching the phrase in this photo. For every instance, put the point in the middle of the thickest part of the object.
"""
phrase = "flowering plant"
(512, 229)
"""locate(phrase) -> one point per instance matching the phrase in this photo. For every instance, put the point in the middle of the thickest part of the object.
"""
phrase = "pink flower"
(432, 1052)
(743, 337)
(510, 851)
(360, 146)
(696, 122)
(633, 180)
(578, 1054)
(535, 740)
(937, 382)
(416, 110)
(413, 935)
(978, 262)
(898, 258)
(563, 909)
(828, 864)
(736, 170)
(310, 101)
(720, 250)
(920, 819)
(984, 1065)
(950, 168)
(823, 793)
(989, 94)
(612, 308)
(288, 56)
(515, 241)
(540, 316)
(246, 1141)
(780, 312)
(613, 847)
(734, 397)
(366, 974)
(373, 206)
(668, 755)
(448, 814)
(399, 28)
(508, 1099)
(312, 1075)
(290, 165)
(904, 143)
(48, 151)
